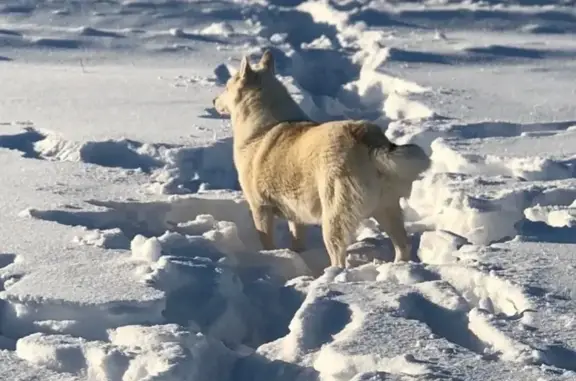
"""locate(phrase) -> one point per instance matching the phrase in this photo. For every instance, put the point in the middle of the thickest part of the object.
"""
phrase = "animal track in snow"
(6, 259)
(462, 307)
(172, 169)
(507, 129)
(182, 258)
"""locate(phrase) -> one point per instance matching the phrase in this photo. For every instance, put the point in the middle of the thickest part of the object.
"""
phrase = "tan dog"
(335, 174)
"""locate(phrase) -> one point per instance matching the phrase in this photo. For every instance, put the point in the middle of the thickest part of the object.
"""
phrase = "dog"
(332, 174)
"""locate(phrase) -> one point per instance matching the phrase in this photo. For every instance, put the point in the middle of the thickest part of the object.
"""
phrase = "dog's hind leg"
(391, 221)
(264, 222)
(297, 232)
(338, 224)
(336, 238)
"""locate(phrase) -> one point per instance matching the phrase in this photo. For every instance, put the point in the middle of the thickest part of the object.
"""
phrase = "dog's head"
(244, 82)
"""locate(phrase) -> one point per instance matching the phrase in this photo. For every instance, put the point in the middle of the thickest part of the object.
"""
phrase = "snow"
(127, 251)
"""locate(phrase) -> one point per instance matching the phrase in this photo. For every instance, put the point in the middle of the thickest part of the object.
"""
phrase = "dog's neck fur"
(263, 109)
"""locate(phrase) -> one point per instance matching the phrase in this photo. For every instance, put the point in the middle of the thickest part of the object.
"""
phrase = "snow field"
(127, 251)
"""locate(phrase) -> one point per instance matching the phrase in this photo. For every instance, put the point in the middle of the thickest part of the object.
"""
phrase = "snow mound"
(17, 369)
(528, 168)
(481, 208)
(218, 29)
(107, 238)
(71, 301)
(165, 352)
(555, 216)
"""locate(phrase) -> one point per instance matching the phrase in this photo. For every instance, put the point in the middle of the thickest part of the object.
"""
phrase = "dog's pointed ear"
(267, 61)
(246, 71)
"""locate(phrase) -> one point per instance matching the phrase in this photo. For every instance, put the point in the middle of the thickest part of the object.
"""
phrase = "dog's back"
(289, 164)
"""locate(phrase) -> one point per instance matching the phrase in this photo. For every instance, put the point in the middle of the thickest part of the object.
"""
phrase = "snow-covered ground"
(127, 252)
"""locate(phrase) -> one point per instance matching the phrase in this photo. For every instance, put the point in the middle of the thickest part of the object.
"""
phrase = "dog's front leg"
(263, 221)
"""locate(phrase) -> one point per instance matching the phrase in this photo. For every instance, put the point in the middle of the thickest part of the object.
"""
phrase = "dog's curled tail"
(405, 161)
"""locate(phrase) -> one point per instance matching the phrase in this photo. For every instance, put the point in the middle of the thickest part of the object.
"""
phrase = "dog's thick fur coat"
(334, 174)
